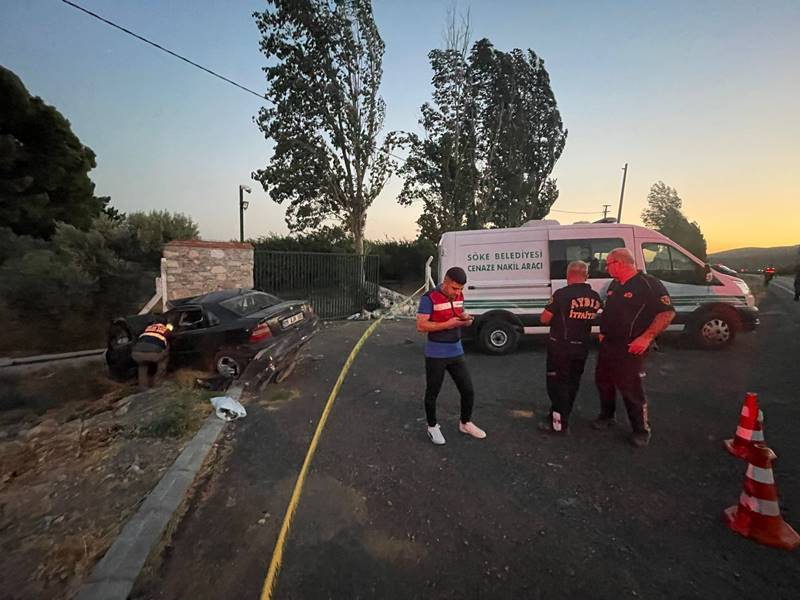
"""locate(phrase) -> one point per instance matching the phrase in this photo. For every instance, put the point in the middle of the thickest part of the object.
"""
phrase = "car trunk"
(284, 316)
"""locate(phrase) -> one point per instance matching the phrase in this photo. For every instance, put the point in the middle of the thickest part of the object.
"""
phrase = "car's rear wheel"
(228, 365)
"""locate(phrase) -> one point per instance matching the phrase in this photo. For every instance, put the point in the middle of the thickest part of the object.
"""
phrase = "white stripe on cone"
(768, 508)
(750, 434)
(760, 475)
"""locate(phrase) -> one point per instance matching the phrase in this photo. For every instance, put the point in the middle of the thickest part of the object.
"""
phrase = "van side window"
(670, 264)
(592, 251)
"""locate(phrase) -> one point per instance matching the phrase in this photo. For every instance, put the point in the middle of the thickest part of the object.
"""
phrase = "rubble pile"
(393, 304)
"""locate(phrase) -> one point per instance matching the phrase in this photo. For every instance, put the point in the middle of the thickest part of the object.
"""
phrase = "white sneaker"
(469, 428)
(436, 435)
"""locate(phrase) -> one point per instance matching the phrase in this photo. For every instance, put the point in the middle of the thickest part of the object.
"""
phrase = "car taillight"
(260, 332)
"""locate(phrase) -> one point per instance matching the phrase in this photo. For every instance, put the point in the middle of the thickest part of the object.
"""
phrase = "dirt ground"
(78, 454)
(385, 514)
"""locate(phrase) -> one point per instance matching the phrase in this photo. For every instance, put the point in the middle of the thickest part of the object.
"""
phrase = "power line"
(254, 93)
(186, 60)
(170, 52)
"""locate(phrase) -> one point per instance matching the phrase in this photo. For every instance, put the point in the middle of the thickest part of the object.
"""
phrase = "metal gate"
(338, 285)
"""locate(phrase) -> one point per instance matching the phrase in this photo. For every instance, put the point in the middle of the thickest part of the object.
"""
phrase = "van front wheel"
(498, 337)
(715, 330)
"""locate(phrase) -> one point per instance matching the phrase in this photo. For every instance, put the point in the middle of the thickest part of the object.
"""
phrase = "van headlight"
(748, 295)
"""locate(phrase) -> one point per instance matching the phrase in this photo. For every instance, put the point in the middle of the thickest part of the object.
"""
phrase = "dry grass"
(182, 415)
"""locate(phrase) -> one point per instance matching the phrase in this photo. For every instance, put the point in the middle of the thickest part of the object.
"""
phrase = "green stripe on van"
(491, 304)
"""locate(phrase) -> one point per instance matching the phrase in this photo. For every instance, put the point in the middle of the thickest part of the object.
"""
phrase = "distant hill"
(781, 257)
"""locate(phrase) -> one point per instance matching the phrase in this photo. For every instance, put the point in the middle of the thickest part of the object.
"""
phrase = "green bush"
(327, 240)
(45, 284)
(403, 260)
(60, 294)
(144, 234)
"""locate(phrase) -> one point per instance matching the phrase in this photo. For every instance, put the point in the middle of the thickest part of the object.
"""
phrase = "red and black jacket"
(445, 309)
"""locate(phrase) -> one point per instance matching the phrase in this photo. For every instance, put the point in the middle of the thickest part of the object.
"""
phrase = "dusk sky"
(702, 95)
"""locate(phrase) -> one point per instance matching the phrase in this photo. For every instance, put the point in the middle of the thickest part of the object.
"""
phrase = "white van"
(511, 274)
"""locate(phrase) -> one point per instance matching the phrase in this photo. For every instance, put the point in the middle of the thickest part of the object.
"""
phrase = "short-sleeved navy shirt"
(574, 308)
(631, 308)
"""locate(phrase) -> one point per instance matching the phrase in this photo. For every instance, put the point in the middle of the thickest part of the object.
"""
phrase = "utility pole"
(622, 193)
(605, 210)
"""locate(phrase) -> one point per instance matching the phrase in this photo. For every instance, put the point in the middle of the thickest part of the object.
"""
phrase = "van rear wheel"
(498, 337)
(715, 330)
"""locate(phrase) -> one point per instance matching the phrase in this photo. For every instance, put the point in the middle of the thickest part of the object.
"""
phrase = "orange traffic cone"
(758, 514)
(750, 429)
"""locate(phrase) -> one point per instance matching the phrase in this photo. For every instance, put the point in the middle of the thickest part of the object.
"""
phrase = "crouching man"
(570, 314)
(151, 353)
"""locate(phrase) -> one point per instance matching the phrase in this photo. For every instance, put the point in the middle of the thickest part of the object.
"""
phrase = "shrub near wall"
(400, 260)
(60, 294)
(403, 260)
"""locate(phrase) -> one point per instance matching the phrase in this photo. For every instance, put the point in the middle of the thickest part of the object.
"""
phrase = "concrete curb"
(113, 577)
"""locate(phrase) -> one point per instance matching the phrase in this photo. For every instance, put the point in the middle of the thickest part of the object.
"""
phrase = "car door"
(189, 335)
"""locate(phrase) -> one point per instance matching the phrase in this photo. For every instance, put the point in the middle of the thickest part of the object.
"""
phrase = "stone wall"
(195, 267)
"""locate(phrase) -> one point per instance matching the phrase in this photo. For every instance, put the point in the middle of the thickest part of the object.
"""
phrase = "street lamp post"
(243, 204)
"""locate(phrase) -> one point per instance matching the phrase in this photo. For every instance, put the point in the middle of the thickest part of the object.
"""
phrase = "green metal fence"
(338, 285)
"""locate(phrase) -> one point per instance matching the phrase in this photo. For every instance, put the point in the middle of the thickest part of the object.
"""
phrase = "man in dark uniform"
(151, 353)
(637, 309)
(570, 314)
(441, 315)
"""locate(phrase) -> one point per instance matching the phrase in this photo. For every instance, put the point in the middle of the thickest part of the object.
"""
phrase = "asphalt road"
(385, 514)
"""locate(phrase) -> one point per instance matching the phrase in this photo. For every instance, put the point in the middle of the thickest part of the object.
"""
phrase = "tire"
(118, 353)
(715, 330)
(228, 365)
(498, 337)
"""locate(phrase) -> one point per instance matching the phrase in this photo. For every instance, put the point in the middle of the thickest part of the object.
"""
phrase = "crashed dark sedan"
(240, 333)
